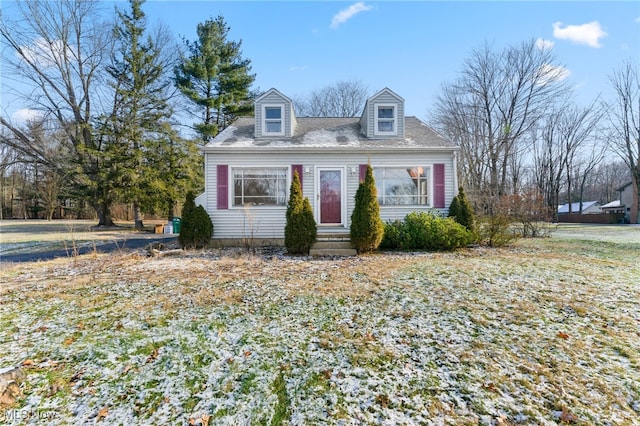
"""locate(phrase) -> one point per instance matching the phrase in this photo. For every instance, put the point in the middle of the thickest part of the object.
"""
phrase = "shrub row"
(425, 231)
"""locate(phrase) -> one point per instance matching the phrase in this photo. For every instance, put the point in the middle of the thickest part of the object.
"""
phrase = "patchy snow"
(532, 334)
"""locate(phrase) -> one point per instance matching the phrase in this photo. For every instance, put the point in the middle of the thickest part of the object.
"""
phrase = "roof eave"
(323, 149)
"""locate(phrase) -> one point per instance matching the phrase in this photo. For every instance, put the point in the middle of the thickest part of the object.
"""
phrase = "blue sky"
(411, 47)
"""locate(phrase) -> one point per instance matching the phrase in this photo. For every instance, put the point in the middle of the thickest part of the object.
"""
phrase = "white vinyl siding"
(269, 222)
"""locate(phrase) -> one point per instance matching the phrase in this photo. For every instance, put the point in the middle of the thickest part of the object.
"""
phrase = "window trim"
(231, 189)
(394, 120)
(428, 176)
(265, 120)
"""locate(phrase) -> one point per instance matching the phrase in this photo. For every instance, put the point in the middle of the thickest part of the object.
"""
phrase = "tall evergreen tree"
(214, 76)
(141, 103)
(367, 229)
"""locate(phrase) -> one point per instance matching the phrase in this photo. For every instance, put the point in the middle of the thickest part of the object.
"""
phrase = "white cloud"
(638, 19)
(551, 73)
(348, 13)
(25, 114)
(589, 34)
(44, 54)
(543, 44)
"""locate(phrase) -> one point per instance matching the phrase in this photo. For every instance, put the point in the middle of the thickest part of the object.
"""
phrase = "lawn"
(544, 332)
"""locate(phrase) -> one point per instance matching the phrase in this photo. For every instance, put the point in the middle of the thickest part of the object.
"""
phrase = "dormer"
(383, 116)
(275, 117)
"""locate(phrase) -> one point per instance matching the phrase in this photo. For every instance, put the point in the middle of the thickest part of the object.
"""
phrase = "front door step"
(332, 248)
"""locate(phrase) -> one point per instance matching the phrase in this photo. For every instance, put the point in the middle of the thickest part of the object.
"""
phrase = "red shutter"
(298, 168)
(363, 172)
(223, 187)
(438, 186)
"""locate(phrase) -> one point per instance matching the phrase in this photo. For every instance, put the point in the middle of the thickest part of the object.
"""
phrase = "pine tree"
(137, 75)
(215, 77)
(367, 228)
(300, 232)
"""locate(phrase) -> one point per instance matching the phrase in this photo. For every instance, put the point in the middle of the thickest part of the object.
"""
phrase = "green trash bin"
(176, 225)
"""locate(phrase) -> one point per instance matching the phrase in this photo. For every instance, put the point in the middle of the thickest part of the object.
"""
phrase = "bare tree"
(624, 114)
(490, 109)
(343, 99)
(58, 49)
(566, 135)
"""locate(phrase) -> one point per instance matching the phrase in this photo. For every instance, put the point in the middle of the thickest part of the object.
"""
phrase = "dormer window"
(385, 119)
(272, 121)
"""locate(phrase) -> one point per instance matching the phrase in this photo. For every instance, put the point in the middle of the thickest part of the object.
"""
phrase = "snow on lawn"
(544, 332)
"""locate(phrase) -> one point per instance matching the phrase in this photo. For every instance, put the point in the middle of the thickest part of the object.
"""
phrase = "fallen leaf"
(102, 413)
(567, 416)
(27, 362)
(247, 353)
(502, 420)
(205, 419)
(80, 325)
(192, 421)
(153, 356)
(69, 340)
(563, 335)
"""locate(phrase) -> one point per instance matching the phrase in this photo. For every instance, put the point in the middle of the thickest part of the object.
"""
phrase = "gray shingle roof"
(316, 132)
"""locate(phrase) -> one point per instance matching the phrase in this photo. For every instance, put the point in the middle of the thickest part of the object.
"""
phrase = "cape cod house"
(249, 167)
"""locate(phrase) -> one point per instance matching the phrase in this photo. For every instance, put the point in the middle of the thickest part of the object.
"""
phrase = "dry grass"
(545, 332)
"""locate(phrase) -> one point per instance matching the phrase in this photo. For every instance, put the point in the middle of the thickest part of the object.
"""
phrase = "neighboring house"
(249, 167)
(588, 207)
(628, 202)
(613, 207)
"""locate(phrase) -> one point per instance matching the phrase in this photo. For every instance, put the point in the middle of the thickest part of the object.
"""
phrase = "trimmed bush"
(425, 231)
(300, 232)
(367, 228)
(196, 227)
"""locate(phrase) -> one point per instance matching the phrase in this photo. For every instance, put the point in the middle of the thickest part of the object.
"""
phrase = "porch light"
(307, 171)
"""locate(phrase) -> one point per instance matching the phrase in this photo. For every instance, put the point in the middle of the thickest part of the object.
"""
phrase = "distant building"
(588, 207)
(629, 207)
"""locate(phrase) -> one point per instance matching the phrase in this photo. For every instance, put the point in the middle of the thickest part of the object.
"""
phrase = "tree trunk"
(104, 214)
(137, 217)
(171, 210)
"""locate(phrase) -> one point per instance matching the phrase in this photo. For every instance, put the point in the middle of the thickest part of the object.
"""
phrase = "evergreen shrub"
(300, 232)
(196, 227)
(425, 231)
(367, 228)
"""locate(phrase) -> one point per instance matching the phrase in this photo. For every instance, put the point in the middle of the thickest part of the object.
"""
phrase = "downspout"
(455, 173)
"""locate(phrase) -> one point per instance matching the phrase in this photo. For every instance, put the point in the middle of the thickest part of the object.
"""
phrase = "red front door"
(330, 196)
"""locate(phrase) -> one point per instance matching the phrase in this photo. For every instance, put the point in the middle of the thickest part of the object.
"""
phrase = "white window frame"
(393, 120)
(265, 120)
(232, 186)
(427, 178)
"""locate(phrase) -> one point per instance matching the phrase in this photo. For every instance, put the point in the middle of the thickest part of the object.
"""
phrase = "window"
(402, 186)
(259, 186)
(385, 120)
(272, 123)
